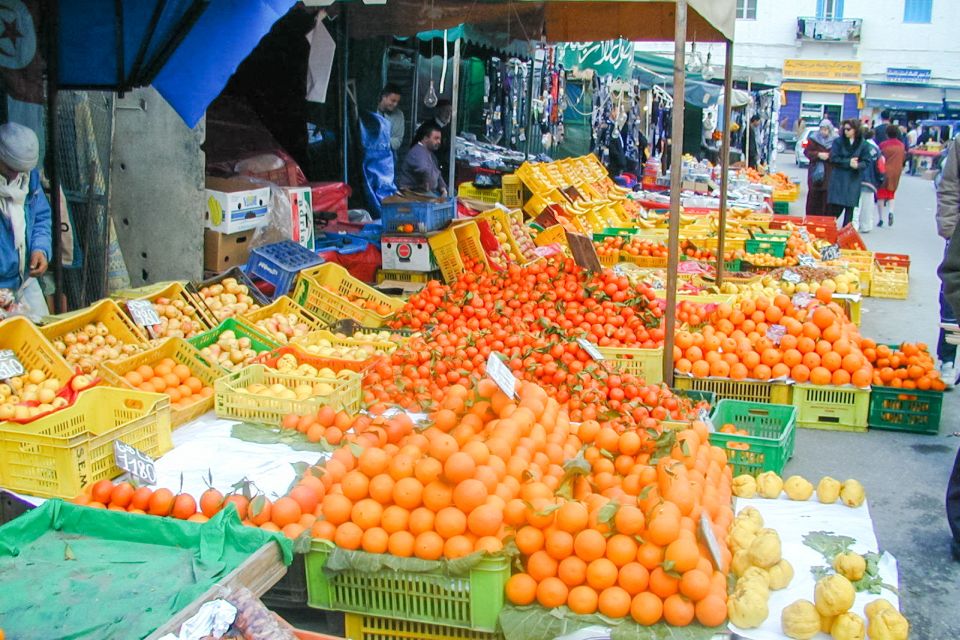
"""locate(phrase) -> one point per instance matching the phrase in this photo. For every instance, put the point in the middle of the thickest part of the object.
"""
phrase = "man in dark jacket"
(948, 209)
(419, 170)
(880, 132)
(751, 143)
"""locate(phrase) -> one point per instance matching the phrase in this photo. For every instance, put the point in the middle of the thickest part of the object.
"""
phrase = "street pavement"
(905, 475)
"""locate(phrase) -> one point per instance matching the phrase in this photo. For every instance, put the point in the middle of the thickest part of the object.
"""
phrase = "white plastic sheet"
(794, 519)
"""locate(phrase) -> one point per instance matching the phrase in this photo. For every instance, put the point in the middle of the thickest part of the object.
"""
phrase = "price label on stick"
(791, 276)
(830, 253)
(10, 366)
(776, 332)
(801, 299)
(804, 234)
(590, 348)
(143, 313)
(501, 374)
(704, 416)
(806, 260)
(135, 462)
(710, 539)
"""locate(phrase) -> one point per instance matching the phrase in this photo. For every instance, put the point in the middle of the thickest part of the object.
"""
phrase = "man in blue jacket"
(25, 233)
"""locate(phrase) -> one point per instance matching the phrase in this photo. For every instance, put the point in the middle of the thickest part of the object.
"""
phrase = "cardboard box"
(236, 204)
(409, 252)
(301, 213)
(222, 251)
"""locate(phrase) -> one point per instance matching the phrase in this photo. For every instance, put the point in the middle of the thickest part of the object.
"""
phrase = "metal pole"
(53, 146)
(455, 104)
(528, 142)
(676, 181)
(344, 97)
(746, 134)
(725, 155)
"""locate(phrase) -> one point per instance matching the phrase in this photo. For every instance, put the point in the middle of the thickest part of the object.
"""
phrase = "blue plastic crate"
(279, 263)
(424, 216)
(371, 232)
(342, 243)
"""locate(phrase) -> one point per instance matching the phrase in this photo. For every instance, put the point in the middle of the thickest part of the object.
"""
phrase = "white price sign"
(802, 299)
(791, 276)
(806, 260)
(10, 366)
(708, 537)
(501, 374)
(143, 313)
(590, 348)
(135, 462)
(830, 253)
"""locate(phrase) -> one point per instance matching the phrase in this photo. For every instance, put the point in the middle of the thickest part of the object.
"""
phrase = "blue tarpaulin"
(187, 49)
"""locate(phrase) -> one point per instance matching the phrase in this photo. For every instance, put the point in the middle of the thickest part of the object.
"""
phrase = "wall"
(156, 189)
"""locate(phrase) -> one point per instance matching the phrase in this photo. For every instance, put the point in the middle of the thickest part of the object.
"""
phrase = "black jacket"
(844, 188)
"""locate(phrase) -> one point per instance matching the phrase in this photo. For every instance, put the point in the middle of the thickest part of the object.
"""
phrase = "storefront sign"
(610, 57)
(909, 76)
(821, 87)
(822, 69)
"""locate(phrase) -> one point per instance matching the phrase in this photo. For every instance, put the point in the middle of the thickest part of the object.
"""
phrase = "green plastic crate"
(258, 341)
(781, 208)
(748, 390)
(470, 601)
(771, 433)
(906, 410)
(614, 232)
(831, 408)
(767, 243)
(360, 627)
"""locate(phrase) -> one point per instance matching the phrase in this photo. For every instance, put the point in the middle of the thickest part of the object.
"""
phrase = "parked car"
(786, 139)
(801, 144)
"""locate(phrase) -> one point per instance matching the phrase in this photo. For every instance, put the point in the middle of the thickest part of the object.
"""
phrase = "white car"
(802, 142)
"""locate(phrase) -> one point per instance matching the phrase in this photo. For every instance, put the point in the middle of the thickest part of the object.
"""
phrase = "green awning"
(482, 37)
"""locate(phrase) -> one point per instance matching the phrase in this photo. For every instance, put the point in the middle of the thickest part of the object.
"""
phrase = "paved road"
(905, 475)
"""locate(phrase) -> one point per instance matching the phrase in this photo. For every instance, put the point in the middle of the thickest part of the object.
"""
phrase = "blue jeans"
(946, 352)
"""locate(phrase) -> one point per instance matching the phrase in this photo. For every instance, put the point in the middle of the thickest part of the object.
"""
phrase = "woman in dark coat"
(817, 152)
(846, 154)
(895, 154)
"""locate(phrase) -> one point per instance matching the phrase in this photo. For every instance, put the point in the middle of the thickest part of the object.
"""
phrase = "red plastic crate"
(893, 260)
(823, 227)
(848, 238)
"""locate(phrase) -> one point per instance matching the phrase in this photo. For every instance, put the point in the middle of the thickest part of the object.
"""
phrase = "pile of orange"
(638, 247)
(172, 378)
(609, 247)
(909, 367)
(819, 344)
(692, 251)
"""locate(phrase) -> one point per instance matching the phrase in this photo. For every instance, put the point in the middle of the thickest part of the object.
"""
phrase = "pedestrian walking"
(948, 213)
(818, 172)
(895, 155)
(880, 132)
(871, 177)
(846, 154)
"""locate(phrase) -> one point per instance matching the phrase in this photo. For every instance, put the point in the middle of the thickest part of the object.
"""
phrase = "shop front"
(817, 89)
(906, 93)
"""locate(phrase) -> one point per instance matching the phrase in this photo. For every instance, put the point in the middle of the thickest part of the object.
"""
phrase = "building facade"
(853, 58)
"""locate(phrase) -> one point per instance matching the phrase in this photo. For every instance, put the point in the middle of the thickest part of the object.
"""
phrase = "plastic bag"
(279, 225)
(9, 306)
(254, 621)
(819, 173)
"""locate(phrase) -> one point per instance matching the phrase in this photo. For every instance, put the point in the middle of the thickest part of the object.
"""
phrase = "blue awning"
(187, 49)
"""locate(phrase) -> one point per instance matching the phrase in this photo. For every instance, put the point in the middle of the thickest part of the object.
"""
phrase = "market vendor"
(420, 171)
(25, 233)
(443, 115)
(389, 108)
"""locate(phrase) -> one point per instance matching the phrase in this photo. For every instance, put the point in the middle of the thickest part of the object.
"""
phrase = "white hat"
(19, 147)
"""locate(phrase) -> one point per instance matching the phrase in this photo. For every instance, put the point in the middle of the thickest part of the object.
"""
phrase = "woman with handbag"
(846, 156)
(871, 177)
(817, 152)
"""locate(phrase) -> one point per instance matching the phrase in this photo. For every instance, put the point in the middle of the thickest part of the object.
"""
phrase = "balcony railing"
(824, 30)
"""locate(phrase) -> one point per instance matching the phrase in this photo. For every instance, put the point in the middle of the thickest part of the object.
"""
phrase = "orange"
(552, 593)
(401, 544)
(540, 566)
(458, 467)
(408, 493)
(286, 511)
(572, 517)
(582, 600)
(348, 536)
(558, 544)
(450, 522)
(678, 611)
(621, 549)
(374, 540)
(161, 502)
(572, 570)
(646, 608)
(529, 540)
(589, 545)
(428, 545)
(614, 602)
(711, 611)
(633, 577)
(683, 554)
(602, 573)
(695, 584)
(521, 589)
(469, 494)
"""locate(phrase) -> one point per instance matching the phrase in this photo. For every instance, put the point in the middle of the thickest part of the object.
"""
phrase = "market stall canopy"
(187, 49)
(557, 20)
(484, 37)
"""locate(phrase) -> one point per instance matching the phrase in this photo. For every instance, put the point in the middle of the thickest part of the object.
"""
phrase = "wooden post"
(725, 155)
(454, 106)
(55, 263)
(676, 182)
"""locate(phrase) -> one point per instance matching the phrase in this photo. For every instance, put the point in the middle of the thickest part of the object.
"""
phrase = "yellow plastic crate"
(106, 311)
(643, 363)
(232, 402)
(648, 262)
(609, 260)
(181, 352)
(890, 282)
(832, 408)
(407, 276)
(469, 244)
(363, 627)
(552, 235)
(512, 190)
(58, 455)
(322, 291)
(177, 291)
(286, 306)
(32, 350)
(862, 261)
(384, 347)
(504, 219)
(444, 247)
(748, 390)
(468, 191)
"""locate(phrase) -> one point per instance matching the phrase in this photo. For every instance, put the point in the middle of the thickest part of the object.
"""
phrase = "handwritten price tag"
(830, 253)
(801, 299)
(143, 313)
(135, 462)
(806, 260)
(704, 416)
(590, 348)
(10, 366)
(804, 234)
(502, 375)
(791, 276)
(776, 332)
